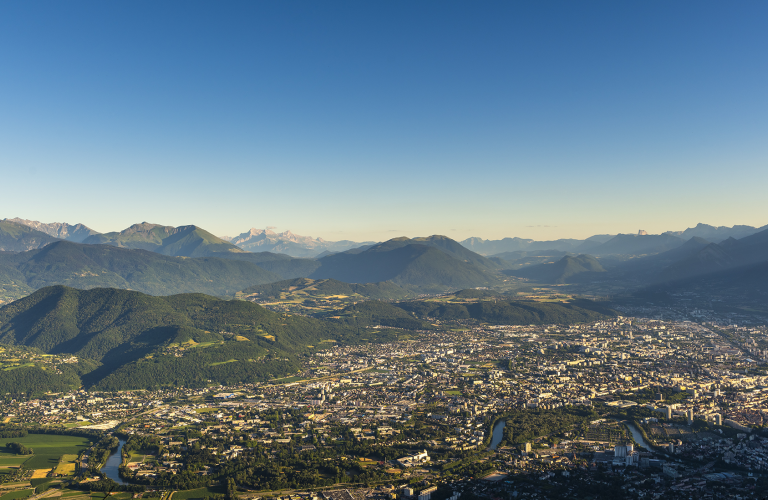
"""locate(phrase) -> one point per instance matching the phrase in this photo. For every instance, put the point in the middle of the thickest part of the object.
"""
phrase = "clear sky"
(366, 120)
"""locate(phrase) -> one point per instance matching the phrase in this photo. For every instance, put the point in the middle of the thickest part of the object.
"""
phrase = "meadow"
(48, 451)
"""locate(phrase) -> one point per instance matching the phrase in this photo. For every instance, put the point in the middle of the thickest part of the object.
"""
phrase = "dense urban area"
(637, 407)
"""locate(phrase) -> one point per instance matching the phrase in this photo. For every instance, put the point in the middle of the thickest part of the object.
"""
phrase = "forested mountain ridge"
(143, 341)
(283, 265)
(561, 271)
(501, 311)
(92, 266)
(182, 241)
(428, 263)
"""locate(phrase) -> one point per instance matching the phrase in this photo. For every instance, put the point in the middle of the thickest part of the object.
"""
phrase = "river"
(498, 433)
(637, 436)
(110, 468)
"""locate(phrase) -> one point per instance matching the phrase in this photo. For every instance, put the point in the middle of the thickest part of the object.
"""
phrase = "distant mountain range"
(716, 234)
(492, 247)
(606, 244)
(192, 241)
(728, 254)
(61, 230)
(160, 260)
(146, 258)
(266, 240)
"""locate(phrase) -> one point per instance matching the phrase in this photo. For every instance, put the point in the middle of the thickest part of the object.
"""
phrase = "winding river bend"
(111, 468)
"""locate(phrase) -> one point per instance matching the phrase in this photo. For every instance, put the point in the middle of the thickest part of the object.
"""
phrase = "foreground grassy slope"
(144, 341)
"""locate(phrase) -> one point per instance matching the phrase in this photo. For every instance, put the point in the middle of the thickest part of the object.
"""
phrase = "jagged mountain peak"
(287, 242)
(62, 230)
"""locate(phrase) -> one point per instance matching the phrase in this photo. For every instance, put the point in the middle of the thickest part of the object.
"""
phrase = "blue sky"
(368, 120)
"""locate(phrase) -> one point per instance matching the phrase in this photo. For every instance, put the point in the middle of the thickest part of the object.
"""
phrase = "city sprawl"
(640, 407)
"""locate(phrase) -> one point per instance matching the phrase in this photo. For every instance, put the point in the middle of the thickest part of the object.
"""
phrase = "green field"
(13, 461)
(14, 495)
(206, 410)
(48, 449)
(287, 380)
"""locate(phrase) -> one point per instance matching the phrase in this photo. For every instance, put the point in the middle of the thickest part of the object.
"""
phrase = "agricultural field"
(312, 297)
(13, 460)
(16, 495)
(48, 451)
(66, 465)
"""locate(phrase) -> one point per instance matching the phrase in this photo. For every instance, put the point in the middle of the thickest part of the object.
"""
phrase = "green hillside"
(92, 266)
(407, 263)
(143, 341)
(375, 313)
(420, 313)
(316, 297)
(562, 271)
(15, 237)
(330, 287)
(182, 241)
(510, 312)
(26, 370)
(285, 266)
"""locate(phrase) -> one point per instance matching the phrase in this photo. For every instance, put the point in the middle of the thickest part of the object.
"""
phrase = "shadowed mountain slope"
(92, 266)
(716, 234)
(727, 254)
(430, 263)
(636, 244)
(285, 266)
(561, 271)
